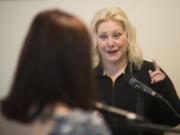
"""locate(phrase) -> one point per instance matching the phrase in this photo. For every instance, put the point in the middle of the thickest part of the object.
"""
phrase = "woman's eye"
(103, 36)
(117, 35)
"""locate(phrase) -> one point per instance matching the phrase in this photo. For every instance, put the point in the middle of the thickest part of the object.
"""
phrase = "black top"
(120, 94)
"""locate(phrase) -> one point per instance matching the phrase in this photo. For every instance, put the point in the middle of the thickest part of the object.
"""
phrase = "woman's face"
(111, 42)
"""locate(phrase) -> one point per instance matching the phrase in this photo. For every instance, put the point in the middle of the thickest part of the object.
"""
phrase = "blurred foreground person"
(53, 91)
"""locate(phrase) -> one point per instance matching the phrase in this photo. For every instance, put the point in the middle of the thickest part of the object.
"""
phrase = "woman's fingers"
(156, 75)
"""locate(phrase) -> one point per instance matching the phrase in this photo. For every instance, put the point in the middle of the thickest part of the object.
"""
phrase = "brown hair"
(54, 66)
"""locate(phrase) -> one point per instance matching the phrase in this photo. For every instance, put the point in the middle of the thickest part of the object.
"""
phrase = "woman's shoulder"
(142, 74)
(80, 122)
(74, 114)
(147, 64)
(145, 67)
(79, 116)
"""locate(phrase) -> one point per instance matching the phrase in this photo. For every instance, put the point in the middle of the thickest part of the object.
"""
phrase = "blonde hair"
(134, 52)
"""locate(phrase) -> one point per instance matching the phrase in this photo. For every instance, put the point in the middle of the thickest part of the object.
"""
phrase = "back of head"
(54, 66)
(117, 14)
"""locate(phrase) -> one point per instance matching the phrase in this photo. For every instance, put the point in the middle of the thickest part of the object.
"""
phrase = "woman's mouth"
(112, 51)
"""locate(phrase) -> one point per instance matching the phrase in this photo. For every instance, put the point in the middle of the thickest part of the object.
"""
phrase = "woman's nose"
(110, 42)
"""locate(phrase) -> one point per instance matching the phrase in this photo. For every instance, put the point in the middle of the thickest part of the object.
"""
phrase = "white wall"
(157, 23)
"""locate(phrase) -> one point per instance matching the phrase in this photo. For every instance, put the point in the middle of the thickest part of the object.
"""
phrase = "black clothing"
(120, 94)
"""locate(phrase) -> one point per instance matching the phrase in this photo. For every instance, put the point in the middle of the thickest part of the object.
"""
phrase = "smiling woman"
(117, 57)
(112, 44)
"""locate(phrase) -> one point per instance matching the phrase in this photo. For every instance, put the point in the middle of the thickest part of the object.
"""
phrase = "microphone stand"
(151, 126)
(135, 120)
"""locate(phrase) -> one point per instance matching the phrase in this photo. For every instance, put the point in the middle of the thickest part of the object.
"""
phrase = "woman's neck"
(62, 109)
(59, 108)
(113, 70)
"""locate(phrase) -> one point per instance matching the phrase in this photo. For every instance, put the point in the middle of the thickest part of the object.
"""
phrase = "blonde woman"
(118, 56)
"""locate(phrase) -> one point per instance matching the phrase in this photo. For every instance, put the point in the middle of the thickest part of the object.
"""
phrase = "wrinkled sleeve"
(163, 111)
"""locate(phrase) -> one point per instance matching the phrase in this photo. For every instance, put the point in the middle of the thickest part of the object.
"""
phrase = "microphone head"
(134, 83)
(143, 87)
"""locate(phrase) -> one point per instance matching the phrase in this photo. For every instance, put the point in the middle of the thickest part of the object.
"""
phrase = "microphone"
(140, 86)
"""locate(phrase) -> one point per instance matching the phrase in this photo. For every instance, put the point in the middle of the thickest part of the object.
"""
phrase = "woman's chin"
(112, 60)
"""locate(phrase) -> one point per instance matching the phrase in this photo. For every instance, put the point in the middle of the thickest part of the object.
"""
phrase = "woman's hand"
(156, 75)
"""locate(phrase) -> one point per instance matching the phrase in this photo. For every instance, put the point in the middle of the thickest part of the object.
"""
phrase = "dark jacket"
(120, 94)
